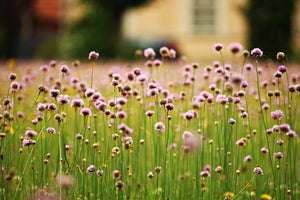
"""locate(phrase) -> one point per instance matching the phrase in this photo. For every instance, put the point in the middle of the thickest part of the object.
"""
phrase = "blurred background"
(70, 29)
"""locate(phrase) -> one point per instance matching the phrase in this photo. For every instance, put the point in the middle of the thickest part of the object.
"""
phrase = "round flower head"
(14, 85)
(257, 52)
(77, 103)
(164, 51)
(218, 47)
(231, 121)
(278, 155)
(44, 68)
(53, 63)
(100, 172)
(63, 99)
(187, 134)
(235, 48)
(119, 185)
(78, 136)
(149, 53)
(12, 76)
(264, 150)
(64, 69)
(291, 134)
(156, 63)
(248, 158)
(277, 115)
(282, 68)
(85, 112)
(51, 130)
(27, 142)
(280, 56)
(54, 93)
(248, 66)
(30, 133)
(258, 170)
(205, 174)
(160, 127)
(93, 55)
(172, 53)
(90, 169)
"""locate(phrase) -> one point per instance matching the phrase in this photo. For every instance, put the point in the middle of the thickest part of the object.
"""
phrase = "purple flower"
(291, 134)
(44, 68)
(278, 155)
(15, 85)
(231, 121)
(93, 55)
(63, 99)
(90, 169)
(277, 115)
(77, 103)
(12, 76)
(21, 115)
(156, 63)
(285, 128)
(64, 69)
(258, 170)
(222, 99)
(205, 174)
(187, 134)
(244, 84)
(78, 136)
(218, 47)
(160, 127)
(149, 113)
(27, 142)
(280, 142)
(257, 52)
(53, 63)
(282, 68)
(149, 53)
(207, 168)
(235, 48)
(248, 158)
(172, 53)
(241, 142)
(54, 93)
(51, 130)
(30, 133)
(100, 172)
(264, 150)
(85, 112)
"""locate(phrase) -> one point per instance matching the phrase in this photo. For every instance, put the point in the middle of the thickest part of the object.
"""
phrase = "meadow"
(157, 128)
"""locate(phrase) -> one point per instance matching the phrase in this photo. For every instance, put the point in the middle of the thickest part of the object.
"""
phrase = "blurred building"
(194, 25)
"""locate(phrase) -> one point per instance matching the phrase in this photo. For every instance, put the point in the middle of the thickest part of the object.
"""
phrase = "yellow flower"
(11, 130)
(229, 194)
(104, 165)
(266, 196)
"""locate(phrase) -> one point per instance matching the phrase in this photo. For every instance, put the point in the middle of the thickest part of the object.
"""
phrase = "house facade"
(194, 25)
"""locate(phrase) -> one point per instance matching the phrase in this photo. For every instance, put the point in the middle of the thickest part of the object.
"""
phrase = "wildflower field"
(157, 128)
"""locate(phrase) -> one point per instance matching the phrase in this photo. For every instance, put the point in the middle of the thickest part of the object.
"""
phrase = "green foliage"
(89, 33)
(270, 25)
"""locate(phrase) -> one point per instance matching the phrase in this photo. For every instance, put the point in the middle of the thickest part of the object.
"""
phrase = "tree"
(99, 29)
(270, 25)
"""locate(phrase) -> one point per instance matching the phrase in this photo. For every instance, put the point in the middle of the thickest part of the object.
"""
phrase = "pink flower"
(257, 52)
(90, 169)
(160, 127)
(258, 170)
(205, 174)
(248, 158)
(93, 55)
(218, 47)
(149, 53)
(264, 150)
(85, 112)
(278, 114)
(235, 47)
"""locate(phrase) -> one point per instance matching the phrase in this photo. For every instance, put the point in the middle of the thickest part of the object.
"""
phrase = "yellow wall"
(171, 19)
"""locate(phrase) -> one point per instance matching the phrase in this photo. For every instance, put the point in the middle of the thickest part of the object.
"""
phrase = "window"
(204, 16)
